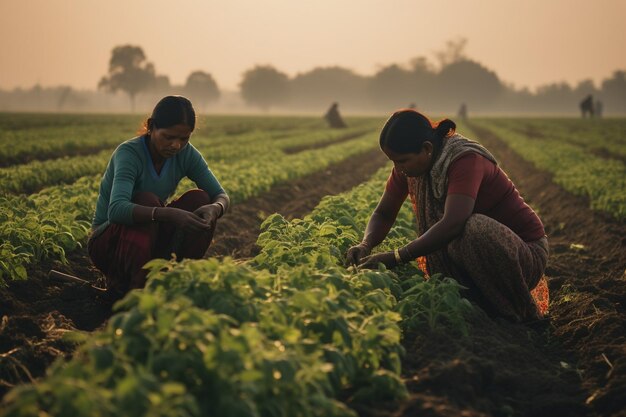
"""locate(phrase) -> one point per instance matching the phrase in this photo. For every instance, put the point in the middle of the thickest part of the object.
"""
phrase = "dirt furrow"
(237, 232)
(587, 279)
(301, 148)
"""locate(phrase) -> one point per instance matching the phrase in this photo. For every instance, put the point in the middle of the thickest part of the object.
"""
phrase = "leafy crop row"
(37, 144)
(322, 238)
(574, 168)
(41, 137)
(44, 226)
(246, 178)
(294, 335)
(604, 137)
(57, 223)
(32, 177)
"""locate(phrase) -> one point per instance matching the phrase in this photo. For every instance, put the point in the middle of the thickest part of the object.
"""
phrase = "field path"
(587, 279)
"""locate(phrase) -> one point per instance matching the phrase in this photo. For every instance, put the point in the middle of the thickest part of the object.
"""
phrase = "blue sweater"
(131, 170)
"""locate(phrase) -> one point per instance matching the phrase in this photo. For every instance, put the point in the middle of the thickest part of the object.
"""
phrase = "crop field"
(271, 323)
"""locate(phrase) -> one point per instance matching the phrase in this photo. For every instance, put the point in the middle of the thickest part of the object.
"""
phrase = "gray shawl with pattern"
(428, 193)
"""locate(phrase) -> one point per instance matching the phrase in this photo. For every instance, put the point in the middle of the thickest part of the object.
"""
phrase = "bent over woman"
(133, 223)
(473, 224)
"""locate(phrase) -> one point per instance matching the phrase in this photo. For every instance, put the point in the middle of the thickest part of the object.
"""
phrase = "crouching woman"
(133, 223)
(473, 225)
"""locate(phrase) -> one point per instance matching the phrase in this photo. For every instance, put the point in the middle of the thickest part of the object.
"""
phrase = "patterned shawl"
(428, 195)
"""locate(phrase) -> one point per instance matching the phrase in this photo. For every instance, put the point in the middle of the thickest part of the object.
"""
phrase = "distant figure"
(412, 106)
(586, 106)
(463, 111)
(333, 117)
(598, 109)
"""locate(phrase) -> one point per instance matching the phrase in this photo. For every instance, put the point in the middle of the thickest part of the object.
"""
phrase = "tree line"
(440, 87)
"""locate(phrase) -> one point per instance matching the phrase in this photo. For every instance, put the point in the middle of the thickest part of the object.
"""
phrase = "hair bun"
(445, 128)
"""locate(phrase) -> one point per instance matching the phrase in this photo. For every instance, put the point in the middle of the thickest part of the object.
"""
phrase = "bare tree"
(129, 72)
(454, 51)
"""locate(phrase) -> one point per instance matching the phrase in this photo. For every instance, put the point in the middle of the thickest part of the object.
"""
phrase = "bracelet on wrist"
(396, 254)
(223, 208)
(405, 254)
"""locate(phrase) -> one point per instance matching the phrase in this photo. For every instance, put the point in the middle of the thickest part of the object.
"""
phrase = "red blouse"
(475, 176)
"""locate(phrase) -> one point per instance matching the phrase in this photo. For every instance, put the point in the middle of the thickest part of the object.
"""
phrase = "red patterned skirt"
(121, 251)
(501, 271)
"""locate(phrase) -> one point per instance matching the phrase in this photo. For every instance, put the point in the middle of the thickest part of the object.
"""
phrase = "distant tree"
(515, 98)
(391, 87)
(67, 97)
(614, 92)
(64, 93)
(316, 88)
(423, 82)
(395, 85)
(555, 96)
(585, 87)
(469, 82)
(128, 72)
(421, 64)
(37, 89)
(201, 87)
(264, 86)
(162, 85)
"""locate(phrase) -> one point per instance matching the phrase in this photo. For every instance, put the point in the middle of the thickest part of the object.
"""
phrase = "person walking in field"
(462, 113)
(586, 106)
(473, 225)
(133, 223)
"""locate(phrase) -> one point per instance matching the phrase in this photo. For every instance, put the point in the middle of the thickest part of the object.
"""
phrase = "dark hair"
(407, 130)
(171, 111)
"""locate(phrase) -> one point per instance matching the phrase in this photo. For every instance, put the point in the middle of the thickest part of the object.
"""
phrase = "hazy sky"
(527, 42)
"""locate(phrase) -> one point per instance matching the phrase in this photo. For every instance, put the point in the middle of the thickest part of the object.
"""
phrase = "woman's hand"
(356, 253)
(210, 213)
(386, 258)
(188, 221)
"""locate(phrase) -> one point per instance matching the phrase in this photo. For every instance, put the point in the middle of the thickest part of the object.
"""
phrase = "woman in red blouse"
(473, 224)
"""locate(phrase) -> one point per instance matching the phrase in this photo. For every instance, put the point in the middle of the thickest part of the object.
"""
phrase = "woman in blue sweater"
(133, 223)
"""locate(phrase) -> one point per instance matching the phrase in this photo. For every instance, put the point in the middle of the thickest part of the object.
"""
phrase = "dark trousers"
(121, 251)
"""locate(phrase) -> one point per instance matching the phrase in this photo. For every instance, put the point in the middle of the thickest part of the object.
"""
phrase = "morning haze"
(531, 48)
